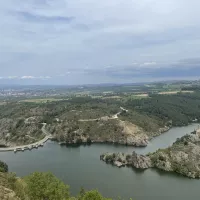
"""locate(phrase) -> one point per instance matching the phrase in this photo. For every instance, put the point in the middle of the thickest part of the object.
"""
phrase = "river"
(81, 166)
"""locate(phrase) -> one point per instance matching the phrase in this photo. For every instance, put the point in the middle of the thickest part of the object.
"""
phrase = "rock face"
(140, 161)
(182, 157)
(133, 135)
(121, 159)
(118, 159)
(138, 140)
(6, 193)
(118, 164)
(160, 131)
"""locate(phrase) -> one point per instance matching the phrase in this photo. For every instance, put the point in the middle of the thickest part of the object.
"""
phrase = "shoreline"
(174, 158)
(28, 146)
(32, 145)
(50, 137)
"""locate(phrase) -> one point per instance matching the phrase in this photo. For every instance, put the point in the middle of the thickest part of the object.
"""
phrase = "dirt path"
(115, 116)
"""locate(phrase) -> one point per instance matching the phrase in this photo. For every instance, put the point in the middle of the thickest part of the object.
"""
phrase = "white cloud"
(64, 74)
(24, 77)
(149, 63)
(28, 77)
(39, 37)
(12, 77)
(44, 77)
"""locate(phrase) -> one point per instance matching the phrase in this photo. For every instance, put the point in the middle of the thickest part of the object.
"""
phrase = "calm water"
(81, 166)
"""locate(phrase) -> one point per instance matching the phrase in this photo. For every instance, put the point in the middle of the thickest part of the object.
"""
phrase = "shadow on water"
(163, 174)
(79, 165)
(135, 170)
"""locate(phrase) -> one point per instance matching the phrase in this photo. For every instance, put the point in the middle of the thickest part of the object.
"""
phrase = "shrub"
(119, 159)
(109, 158)
(89, 141)
(162, 158)
(3, 167)
(128, 157)
(79, 141)
(93, 195)
(46, 186)
(20, 123)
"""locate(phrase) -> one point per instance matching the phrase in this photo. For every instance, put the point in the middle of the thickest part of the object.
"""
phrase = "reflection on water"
(81, 166)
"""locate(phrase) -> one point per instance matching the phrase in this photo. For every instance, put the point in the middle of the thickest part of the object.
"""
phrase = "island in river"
(91, 119)
(183, 157)
(80, 166)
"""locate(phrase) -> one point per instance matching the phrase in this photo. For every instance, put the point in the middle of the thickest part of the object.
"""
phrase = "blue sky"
(87, 41)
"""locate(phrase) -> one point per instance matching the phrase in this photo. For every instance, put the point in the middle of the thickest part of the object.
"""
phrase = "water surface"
(81, 166)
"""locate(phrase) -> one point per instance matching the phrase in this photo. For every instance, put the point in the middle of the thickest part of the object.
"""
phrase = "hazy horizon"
(67, 42)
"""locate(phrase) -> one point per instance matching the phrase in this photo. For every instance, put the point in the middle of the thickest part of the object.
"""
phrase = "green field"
(42, 100)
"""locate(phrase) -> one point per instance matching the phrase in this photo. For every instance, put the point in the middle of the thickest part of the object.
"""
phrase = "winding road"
(115, 116)
(38, 143)
(48, 135)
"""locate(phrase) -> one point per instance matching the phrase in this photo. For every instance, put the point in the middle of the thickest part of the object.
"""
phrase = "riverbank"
(30, 146)
(83, 163)
(130, 135)
(181, 157)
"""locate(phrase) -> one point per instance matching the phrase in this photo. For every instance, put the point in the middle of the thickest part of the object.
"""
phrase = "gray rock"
(141, 161)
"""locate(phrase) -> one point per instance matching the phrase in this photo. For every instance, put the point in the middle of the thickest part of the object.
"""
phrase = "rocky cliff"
(182, 157)
(121, 159)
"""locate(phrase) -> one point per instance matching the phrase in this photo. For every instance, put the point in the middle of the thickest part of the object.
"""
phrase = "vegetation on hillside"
(181, 109)
(3, 167)
(40, 186)
(82, 119)
(183, 157)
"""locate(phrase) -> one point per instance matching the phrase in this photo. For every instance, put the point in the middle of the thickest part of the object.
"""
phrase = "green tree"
(3, 167)
(81, 193)
(93, 195)
(45, 186)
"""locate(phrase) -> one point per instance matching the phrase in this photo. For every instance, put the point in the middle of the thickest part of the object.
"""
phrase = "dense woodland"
(182, 109)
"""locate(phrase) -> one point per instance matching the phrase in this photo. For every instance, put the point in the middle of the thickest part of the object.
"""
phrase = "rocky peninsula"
(182, 157)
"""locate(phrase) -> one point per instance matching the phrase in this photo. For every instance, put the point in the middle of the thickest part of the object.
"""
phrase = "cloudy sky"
(88, 41)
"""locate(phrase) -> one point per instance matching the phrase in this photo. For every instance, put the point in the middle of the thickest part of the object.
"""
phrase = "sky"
(107, 41)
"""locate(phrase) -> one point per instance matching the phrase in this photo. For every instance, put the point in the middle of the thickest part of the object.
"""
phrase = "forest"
(181, 109)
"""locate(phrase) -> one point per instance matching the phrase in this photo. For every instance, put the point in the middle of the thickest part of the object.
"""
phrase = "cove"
(81, 167)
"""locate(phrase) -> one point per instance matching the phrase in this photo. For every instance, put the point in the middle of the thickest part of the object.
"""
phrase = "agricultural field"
(175, 92)
(41, 100)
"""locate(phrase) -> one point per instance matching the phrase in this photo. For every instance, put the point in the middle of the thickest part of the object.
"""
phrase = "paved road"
(47, 137)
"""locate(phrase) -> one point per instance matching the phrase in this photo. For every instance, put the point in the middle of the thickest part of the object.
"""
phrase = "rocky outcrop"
(6, 181)
(121, 159)
(182, 157)
(140, 161)
(130, 141)
(117, 159)
(133, 134)
(160, 131)
(7, 194)
(102, 131)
